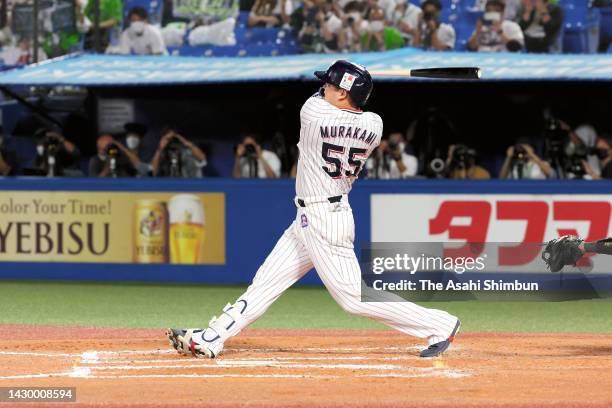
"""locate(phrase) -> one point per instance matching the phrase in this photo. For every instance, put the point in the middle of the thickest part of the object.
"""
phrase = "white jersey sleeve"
(334, 146)
(314, 108)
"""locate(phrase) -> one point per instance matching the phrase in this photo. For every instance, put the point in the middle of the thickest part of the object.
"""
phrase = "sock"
(603, 246)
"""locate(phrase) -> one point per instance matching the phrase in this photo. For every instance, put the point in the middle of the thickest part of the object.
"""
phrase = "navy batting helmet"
(353, 78)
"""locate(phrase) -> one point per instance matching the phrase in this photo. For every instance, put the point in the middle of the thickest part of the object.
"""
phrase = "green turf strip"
(146, 305)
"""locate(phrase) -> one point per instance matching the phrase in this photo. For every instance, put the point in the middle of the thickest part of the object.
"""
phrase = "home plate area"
(249, 363)
(118, 367)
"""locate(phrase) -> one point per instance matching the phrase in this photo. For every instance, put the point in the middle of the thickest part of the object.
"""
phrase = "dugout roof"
(113, 70)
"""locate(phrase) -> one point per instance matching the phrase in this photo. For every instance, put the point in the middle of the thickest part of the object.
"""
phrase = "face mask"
(602, 153)
(430, 15)
(132, 141)
(102, 157)
(40, 150)
(137, 27)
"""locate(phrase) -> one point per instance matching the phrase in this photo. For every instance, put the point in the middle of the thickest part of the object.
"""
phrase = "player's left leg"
(287, 263)
(329, 241)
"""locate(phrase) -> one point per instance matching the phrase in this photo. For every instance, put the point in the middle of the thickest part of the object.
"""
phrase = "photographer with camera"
(113, 159)
(56, 155)
(461, 164)
(523, 163)
(390, 161)
(176, 156)
(252, 161)
(493, 33)
(431, 33)
(603, 147)
(134, 133)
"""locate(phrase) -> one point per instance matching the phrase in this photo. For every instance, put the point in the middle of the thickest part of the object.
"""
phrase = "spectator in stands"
(406, 18)
(493, 33)
(604, 148)
(309, 35)
(134, 133)
(114, 159)
(56, 155)
(376, 26)
(270, 13)
(461, 164)
(141, 38)
(8, 158)
(352, 22)
(253, 161)
(432, 34)
(510, 11)
(176, 156)
(322, 29)
(331, 28)
(541, 21)
(24, 53)
(523, 163)
(111, 17)
(390, 161)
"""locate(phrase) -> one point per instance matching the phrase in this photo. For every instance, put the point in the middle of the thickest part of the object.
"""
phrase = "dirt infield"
(119, 367)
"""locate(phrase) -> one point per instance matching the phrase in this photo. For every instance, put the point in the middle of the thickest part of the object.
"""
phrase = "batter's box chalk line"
(122, 363)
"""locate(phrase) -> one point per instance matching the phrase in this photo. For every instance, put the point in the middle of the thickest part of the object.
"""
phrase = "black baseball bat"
(440, 73)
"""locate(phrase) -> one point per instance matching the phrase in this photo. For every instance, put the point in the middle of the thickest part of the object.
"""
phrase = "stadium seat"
(580, 26)
(470, 17)
(243, 18)
(463, 32)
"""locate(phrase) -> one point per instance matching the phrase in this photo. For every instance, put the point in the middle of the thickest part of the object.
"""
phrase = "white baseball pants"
(321, 236)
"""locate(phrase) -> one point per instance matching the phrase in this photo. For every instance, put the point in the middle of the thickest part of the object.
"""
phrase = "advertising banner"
(112, 227)
(507, 229)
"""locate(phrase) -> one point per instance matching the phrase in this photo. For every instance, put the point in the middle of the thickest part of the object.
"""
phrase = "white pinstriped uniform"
(322, 234)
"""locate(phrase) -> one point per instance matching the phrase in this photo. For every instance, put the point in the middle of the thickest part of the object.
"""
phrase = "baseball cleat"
(438, 348)
(180, 339)
(193, 342)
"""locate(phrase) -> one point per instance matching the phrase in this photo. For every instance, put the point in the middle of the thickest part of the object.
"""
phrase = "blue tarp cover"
(114, 70)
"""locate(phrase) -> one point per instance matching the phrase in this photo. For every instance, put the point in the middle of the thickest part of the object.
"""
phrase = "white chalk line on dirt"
(301, 376)
(399, 371)
(112, 353)
(108, 360)
(262, 364)
(37, 354)
(189, 359)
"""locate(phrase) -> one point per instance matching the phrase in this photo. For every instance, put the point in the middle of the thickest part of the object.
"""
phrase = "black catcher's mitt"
(562, 251)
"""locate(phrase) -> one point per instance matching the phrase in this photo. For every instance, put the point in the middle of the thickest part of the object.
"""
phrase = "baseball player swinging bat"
(336, 138)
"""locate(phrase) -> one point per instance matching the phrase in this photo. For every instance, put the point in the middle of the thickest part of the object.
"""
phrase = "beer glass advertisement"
(113, 227)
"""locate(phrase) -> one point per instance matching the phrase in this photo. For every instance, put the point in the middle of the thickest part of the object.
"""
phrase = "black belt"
(334, 199)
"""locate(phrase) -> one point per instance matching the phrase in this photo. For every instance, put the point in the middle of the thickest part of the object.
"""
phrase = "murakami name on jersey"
(348, 132)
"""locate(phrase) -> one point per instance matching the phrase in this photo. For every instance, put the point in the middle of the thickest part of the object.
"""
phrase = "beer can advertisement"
(113, 227)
